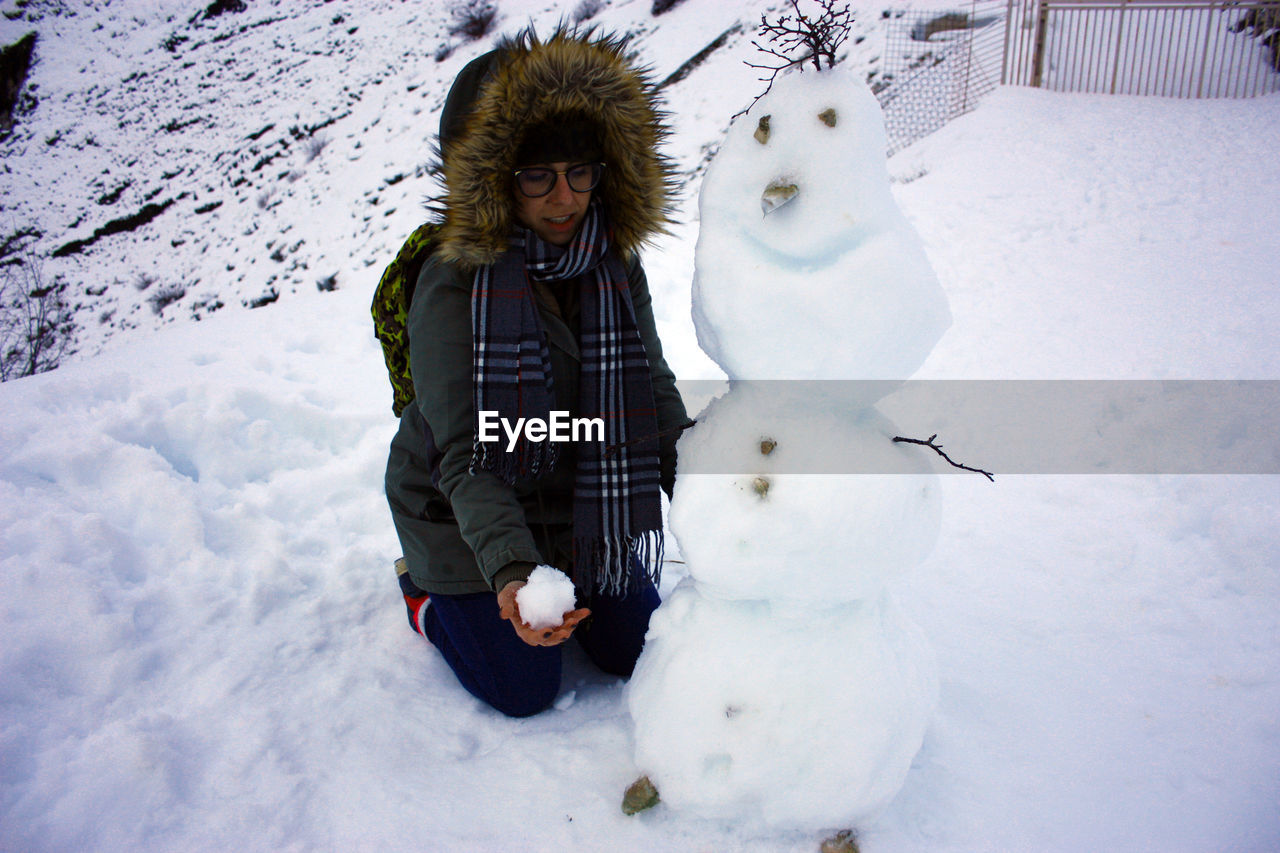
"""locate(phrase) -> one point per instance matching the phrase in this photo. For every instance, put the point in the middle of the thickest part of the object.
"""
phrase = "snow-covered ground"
(204, 646)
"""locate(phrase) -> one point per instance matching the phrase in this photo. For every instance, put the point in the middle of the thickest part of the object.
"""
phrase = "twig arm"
(614, 448)
(937, 448)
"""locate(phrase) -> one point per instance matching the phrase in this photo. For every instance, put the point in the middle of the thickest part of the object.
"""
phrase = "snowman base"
(641, 796)
(798, 718)
(845, 841)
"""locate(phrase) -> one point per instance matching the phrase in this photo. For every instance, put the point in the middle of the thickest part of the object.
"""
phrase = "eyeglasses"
(537, 181)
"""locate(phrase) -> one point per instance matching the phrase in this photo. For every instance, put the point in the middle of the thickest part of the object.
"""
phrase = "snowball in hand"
(545, 598)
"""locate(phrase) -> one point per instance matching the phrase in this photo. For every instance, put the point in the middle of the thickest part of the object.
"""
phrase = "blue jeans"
(496, 666)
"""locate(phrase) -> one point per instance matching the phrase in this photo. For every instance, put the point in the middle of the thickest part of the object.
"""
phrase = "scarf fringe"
(614, 565)
(529, 459)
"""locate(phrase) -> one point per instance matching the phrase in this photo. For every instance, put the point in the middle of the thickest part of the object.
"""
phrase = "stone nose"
(777, 194)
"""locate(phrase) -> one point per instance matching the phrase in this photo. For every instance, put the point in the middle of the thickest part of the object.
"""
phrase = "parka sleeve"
(489, 515)
(666, 397)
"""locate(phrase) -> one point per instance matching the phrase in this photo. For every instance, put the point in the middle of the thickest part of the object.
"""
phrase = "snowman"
(780, 681)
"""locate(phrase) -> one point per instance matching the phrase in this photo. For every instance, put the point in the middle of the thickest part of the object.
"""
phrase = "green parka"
(463, 532)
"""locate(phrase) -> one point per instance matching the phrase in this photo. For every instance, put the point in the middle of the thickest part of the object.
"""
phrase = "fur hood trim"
(530, 81)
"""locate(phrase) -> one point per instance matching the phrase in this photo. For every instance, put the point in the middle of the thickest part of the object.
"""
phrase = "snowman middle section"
(789, 491)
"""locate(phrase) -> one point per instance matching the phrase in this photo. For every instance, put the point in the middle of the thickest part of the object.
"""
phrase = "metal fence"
(1170, 48)
(938, 63)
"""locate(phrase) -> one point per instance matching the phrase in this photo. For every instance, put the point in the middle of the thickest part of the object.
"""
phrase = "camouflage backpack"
(390, 310)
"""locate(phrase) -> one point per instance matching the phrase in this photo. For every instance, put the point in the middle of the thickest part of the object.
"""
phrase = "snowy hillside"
(204, 646)
(175, 165)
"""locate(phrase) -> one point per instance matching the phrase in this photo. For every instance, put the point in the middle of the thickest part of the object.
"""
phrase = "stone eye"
(762, 130)
(828, 117)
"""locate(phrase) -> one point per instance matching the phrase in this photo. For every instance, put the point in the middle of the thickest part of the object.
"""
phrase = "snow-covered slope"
(204, 647)
(243, 159)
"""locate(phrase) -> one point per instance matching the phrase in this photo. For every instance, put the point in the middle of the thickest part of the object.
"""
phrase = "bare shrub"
(1264, 25)
(586, 10)
(315, 145)
(816, 38)
(219, 7)
(166, 296)
(270, 295)
(798, 39)
(35, 322)
(474, 18)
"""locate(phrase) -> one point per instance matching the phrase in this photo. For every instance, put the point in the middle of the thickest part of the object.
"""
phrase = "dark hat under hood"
(524, 82)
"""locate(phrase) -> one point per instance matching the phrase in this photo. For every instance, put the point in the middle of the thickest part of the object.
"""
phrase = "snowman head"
(803, 176)
(805, 267)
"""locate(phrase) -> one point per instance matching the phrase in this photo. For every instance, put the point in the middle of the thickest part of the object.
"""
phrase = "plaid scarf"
(616, 507)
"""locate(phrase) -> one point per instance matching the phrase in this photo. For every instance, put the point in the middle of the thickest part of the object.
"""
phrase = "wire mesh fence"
(937, 65)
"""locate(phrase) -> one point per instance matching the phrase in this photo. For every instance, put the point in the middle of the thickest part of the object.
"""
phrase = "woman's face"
(556, 216)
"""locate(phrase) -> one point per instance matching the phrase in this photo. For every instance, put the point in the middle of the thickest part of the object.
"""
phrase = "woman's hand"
(508, 609)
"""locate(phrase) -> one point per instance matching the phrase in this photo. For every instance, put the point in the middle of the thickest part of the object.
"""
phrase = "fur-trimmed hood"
(523, 82)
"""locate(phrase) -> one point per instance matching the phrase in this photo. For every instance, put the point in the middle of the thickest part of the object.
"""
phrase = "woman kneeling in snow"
(534, 307)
